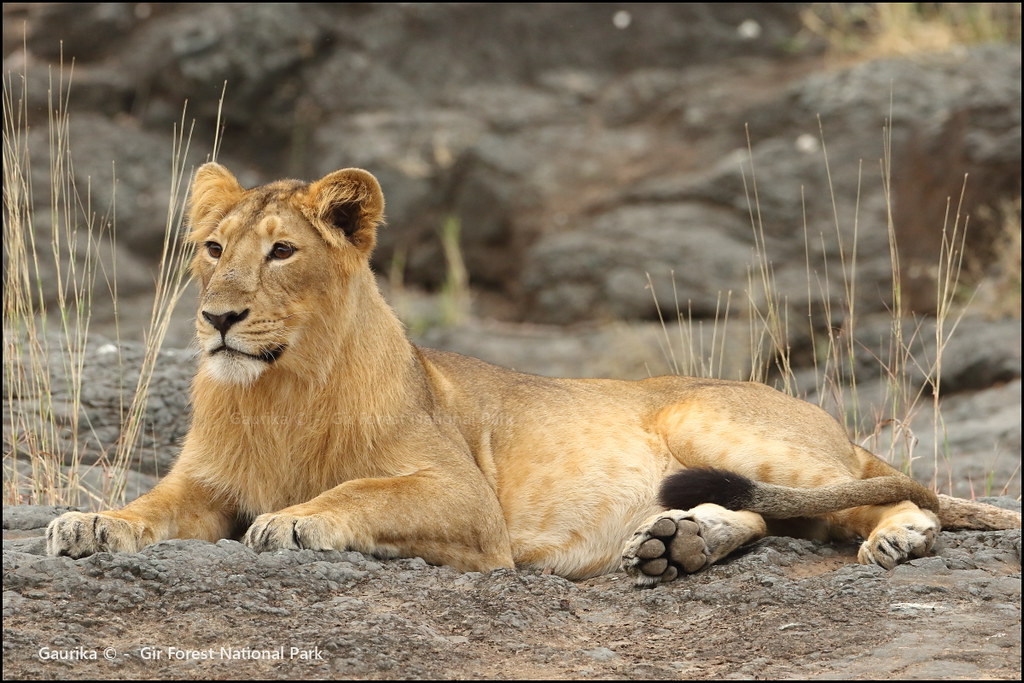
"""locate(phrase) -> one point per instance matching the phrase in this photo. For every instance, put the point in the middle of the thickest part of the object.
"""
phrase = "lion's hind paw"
(898, 542)
(666, 545)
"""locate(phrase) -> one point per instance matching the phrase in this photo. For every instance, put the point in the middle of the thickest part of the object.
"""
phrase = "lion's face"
(274, 263)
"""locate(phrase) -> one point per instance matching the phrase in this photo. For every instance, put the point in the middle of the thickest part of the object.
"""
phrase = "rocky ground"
(781, 608)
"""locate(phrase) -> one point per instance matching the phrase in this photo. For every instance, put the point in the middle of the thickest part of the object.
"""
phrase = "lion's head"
(279, 266)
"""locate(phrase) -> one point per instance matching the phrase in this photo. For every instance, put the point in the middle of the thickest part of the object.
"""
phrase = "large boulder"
(537, 150)
(689, 252)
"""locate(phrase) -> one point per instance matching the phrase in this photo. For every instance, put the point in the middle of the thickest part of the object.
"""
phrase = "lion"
(317, 424)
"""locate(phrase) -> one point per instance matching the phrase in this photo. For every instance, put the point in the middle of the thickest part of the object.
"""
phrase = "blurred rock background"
(553, 163)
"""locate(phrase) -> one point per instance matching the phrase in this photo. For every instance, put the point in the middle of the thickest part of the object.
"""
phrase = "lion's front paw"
(276, 530)
(77, 534)
(889, 545)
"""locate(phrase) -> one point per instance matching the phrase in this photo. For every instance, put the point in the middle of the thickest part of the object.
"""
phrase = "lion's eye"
(214, 249)
(281, 251)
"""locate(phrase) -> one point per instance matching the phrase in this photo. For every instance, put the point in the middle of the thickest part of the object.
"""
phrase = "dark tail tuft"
(691, 487)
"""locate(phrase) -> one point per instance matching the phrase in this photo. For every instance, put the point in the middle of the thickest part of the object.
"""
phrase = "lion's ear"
(350, 201)
(214, 192)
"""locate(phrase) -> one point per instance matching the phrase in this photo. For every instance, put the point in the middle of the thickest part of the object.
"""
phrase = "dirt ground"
(782, 608)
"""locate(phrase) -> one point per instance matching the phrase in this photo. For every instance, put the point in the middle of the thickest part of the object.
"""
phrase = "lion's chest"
(264, 468)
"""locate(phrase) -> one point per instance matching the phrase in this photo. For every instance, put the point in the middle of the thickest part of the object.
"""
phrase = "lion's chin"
(235, 368)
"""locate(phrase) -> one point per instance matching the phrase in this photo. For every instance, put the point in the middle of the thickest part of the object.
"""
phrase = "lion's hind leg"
(674, 542)
(894, 533)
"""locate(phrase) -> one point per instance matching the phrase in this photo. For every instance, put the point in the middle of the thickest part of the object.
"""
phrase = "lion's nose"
(222, 322)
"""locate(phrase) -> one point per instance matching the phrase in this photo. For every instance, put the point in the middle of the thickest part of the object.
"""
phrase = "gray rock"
(110, 375)
(601, 654)
(531, 145)
(599, 270)
(29, 517)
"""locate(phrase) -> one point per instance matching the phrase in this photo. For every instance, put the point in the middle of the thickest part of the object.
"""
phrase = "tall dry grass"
(41, 431)
(57, 258)
(170, 285)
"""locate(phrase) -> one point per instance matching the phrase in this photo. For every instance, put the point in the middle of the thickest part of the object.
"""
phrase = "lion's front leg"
(452, 519)
(177, 507)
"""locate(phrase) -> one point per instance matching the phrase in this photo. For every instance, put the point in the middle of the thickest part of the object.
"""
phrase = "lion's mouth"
(268, 356)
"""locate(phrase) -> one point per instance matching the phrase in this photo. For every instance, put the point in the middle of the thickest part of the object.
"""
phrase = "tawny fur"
(317, 424)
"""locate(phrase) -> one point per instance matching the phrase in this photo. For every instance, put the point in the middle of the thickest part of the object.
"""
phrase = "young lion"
(317, 424)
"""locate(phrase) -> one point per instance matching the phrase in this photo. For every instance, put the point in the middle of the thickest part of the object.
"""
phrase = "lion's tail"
(691, 487)
(959, 513)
